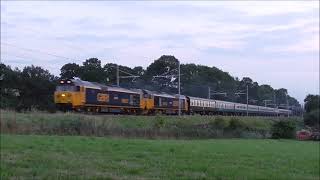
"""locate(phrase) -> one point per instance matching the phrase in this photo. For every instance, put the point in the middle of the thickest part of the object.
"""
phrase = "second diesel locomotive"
(78, 95)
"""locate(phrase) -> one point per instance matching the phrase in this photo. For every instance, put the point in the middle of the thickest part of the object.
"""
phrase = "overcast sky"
(274, 43)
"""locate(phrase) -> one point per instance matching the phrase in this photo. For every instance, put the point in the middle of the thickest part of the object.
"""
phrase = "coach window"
(131, 99)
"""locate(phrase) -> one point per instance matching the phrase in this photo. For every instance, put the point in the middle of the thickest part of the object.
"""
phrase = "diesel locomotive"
(79, 95)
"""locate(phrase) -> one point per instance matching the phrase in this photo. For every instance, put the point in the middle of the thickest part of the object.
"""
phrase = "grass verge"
(137, 126)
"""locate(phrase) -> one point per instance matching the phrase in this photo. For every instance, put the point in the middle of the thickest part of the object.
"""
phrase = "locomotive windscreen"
(67, 88)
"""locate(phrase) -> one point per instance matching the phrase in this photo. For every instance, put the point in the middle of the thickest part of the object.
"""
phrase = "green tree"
(70, 70)
(36, 88)
(92, 70)
(265, 92)
(9, 83)
(312, 108)
(311, 102)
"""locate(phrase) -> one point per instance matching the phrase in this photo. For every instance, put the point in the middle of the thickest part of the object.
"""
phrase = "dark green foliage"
(70, 70)
(9, 85)
(92, 70)
(312, 103)
(235, 124)
(33, 87)
(219, 123)
(37, 88)
(160, 122)
(283, 129)
(312, 108)
(312, 118)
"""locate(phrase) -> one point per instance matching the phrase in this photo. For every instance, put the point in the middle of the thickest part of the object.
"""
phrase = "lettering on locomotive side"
(102, 97)
(125, 101)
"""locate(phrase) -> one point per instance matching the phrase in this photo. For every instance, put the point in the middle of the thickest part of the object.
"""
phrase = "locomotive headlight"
(61, 82)
(68, 82)
(63, 95)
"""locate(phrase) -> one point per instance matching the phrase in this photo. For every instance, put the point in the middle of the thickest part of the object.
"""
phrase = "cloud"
(263, 8)
(303, 46)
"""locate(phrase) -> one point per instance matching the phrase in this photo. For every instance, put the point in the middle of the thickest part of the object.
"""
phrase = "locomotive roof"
(162, 94)
(134, 91)
(96, 85)
(85, 83)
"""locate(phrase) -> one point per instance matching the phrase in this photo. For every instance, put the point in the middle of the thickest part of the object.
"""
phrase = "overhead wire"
(48, 53)
(34, 50)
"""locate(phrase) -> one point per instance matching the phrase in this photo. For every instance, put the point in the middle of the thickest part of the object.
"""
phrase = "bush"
(160, 122)
(235, 123)
(283, 129)
(312, 118)
(219, 123)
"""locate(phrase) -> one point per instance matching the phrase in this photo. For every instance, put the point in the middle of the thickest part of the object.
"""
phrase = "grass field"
(75, 157)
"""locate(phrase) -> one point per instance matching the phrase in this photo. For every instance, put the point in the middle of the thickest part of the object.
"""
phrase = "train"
(85, 96)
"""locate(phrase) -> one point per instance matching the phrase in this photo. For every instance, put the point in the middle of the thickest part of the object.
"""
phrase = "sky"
(275, 43)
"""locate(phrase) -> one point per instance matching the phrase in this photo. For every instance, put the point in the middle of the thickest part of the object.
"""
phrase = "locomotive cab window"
(67, 88)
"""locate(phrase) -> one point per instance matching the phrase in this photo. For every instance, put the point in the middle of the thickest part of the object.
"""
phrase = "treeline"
(33, 87)
(27, 89)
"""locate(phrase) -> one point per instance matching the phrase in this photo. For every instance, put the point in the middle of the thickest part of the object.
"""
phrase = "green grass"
(74, 157)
